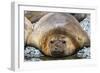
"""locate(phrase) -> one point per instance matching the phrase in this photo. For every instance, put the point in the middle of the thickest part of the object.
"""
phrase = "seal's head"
(58, 43)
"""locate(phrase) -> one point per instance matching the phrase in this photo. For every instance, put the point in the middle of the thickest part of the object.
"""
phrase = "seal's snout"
(57, 48)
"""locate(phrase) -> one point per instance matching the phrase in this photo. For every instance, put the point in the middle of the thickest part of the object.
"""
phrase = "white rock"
(85, 52)
(32, 52)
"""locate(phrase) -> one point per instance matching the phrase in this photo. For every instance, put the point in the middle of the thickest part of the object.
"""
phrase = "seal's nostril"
(51, 42)
(63, 42)
(57, 49)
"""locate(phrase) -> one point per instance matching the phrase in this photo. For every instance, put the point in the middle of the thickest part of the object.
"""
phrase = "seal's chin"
(57, 54)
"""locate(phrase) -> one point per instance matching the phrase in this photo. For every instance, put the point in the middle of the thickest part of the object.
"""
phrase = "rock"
(31, 52)
(79, 16)
(36, 59)
(34, 16)
(86, 24)
(85, 52)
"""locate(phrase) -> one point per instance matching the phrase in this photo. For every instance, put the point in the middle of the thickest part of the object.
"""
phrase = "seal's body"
(58, 35)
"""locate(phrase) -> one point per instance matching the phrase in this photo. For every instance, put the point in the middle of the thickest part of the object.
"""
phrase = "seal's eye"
(63, 42)
(51, 42)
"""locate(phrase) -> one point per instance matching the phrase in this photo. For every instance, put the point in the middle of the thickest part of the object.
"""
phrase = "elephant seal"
(58, 35)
